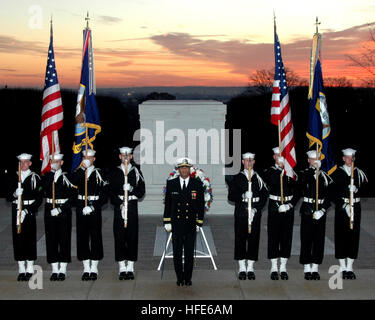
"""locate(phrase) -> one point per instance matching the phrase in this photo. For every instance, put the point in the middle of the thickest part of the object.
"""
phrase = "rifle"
(351, 202)
(126, 192)
(249, 215)
(19, 203)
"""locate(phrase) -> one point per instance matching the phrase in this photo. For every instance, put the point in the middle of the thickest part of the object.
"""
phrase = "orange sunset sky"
(178, 43)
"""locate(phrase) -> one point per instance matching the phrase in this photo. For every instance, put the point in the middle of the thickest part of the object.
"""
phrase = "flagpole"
(86, 129)
(317, 180)
(53, 179)
(19, 213)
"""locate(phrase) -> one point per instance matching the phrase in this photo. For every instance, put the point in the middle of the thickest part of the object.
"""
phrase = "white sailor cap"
(184, 162)
(311, 154)
(276, 150)
(24, 156)
(56, 156)
(88, 153)
(248, 155)
(349, 152)
(126, 150)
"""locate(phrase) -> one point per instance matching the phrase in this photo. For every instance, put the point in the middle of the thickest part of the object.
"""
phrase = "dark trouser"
(89, 235)
(58, 235)
(126, 239)
(186, 242)
(24, 243)
(280, 233)
(347, 240)
(246, 245)
(312, 239)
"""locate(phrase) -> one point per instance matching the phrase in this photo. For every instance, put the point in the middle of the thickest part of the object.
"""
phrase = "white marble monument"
(171, 129)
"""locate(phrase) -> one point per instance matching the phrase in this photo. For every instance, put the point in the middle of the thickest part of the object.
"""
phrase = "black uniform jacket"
(185, 212)
(342, 181)
(64, 189)
(32, 190)
(308, 189)
(116, 179)
(237, 188)
(290, 187)
(96, 187)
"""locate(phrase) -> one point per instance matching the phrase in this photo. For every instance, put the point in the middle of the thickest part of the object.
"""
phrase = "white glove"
(352, 188)
(318, 214)
(55, 212)
(285, 207)
(87, 210)
(86, 163)
(168, 227)
(347, 209)
(197, 228)
(18, 192)
(318, 163)
(122, 207)
(280, 160)
(23, 215)
(248, 195)
(127, 187)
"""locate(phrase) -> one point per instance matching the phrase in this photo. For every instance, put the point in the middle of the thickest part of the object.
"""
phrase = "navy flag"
(319, 129)
(87, 115)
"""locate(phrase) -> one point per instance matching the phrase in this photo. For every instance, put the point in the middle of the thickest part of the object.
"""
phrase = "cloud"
(121, 64)
(108, 20)
(7, 70)
(242, 56)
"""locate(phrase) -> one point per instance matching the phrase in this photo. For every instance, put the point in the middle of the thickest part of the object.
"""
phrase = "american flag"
(52, 111)
(280, 112)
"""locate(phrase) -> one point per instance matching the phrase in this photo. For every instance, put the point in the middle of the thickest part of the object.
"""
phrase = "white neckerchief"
(182, 182)
(347, 169)
(25, 174)
(57, 175)
(90, 170)
(123, 167)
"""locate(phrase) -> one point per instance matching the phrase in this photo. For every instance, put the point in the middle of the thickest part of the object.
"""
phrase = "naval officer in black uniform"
(313, 221)
(89, 217)
(246, 245)
(280, 214)
(183, 215)
(347, 239)
(59, 193)
(29, 191)
(126, 238)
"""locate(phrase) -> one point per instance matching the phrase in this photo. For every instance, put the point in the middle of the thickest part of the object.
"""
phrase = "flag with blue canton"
(319, 129)
(87, 115)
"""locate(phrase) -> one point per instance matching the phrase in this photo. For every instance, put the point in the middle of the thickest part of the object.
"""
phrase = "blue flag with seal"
(87, 115)
(319, 128)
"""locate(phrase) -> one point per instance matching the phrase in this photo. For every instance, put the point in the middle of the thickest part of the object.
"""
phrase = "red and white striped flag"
(281, 114)
(52, 112)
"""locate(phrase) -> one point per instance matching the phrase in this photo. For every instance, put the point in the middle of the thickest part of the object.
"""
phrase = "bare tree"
(263, 79)
(366, 60)
(337, 82)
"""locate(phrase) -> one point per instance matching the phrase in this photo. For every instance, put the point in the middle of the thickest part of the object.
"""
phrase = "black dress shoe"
(242, 275)
(315, 276)
(274, 275)
(351, 275)
(61, 277)
(188, 283)
(93, 276)
(21, 277)
(180, 283)
(344, 275)
(28, 276)
(251, 275)
(308, 276)
(53, 277)
(85, 276)
(284, 275)
(130, 275)
(122, 276)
